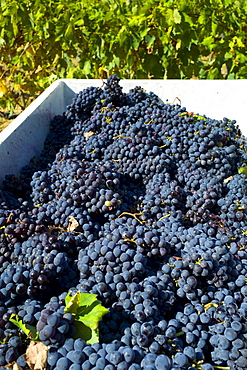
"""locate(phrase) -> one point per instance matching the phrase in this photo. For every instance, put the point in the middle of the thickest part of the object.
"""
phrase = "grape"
(162, 362)
(75, 367)
(15, 342)
(11, 355)
(63, 363)
(53, 358)
(115, 358)
(142, 204)
(180, 359)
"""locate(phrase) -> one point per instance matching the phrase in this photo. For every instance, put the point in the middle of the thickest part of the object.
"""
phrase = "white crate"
(24, 137)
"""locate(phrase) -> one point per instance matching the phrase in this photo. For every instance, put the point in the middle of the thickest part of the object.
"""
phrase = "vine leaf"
(94, 316)
(87, 334)
(176, 16)
(27, 329)
(243, 170)
(3, 89)
(87, 311)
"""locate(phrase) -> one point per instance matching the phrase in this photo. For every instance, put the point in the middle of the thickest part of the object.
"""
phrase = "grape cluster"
(143, 204)
(75, 354)
(54, 325)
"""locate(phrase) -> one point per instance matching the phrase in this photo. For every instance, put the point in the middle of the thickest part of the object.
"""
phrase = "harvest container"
(24, 137)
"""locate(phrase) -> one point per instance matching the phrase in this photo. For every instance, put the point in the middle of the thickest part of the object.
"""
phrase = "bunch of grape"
(139, 202)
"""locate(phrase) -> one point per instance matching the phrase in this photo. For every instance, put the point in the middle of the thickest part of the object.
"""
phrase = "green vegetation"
(43, 40)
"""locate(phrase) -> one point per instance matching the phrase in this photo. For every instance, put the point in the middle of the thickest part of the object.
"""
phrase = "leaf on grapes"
(88, 134)
(71, 303)
(73, 224)
(243, 170)
(36, 356)
(228, 179)
(88, 335)
(80, 302)
(84, 310)
(94, 316)
(27, 329)
(86, 299)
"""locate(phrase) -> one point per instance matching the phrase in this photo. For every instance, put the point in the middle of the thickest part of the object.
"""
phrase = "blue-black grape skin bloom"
(141, 203)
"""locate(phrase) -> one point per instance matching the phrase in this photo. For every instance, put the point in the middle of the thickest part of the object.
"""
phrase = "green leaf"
(71, 303)
(176, 16)
(169, 17)
(231, 76)
(144, 32)
(75, 302)
(209, 42)
(213, 73)
(243, 170)
(122, 35)
(203, 17)
(79, 23)
(87, 68)
(69, 31)
(27, 329)
(86, 299)
(173, 69)
(187, 18)
(149, 40)
(214, 27)
(135, 42)
(94, 316)
(87, 334)
(84, 310)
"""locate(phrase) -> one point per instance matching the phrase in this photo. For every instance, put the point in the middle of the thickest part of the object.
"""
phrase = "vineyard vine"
(43, 40)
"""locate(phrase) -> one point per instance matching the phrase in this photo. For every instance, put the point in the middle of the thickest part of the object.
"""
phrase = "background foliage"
(42, 40)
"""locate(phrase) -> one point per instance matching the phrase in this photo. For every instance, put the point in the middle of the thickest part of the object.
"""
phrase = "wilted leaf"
(15, 366)
(88, 134)
(73, 224)
(228, 179)
(36, 356)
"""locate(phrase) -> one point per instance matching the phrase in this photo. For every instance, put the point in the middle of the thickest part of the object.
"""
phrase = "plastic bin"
(24, 137)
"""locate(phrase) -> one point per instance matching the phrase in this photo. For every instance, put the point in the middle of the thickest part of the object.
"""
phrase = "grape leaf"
(94, 316)
(243, 170)
(79, 301)
(88, 335)
(71, 303)
(3, 89)
(27, 329)
(176, 16)
(86, 299)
